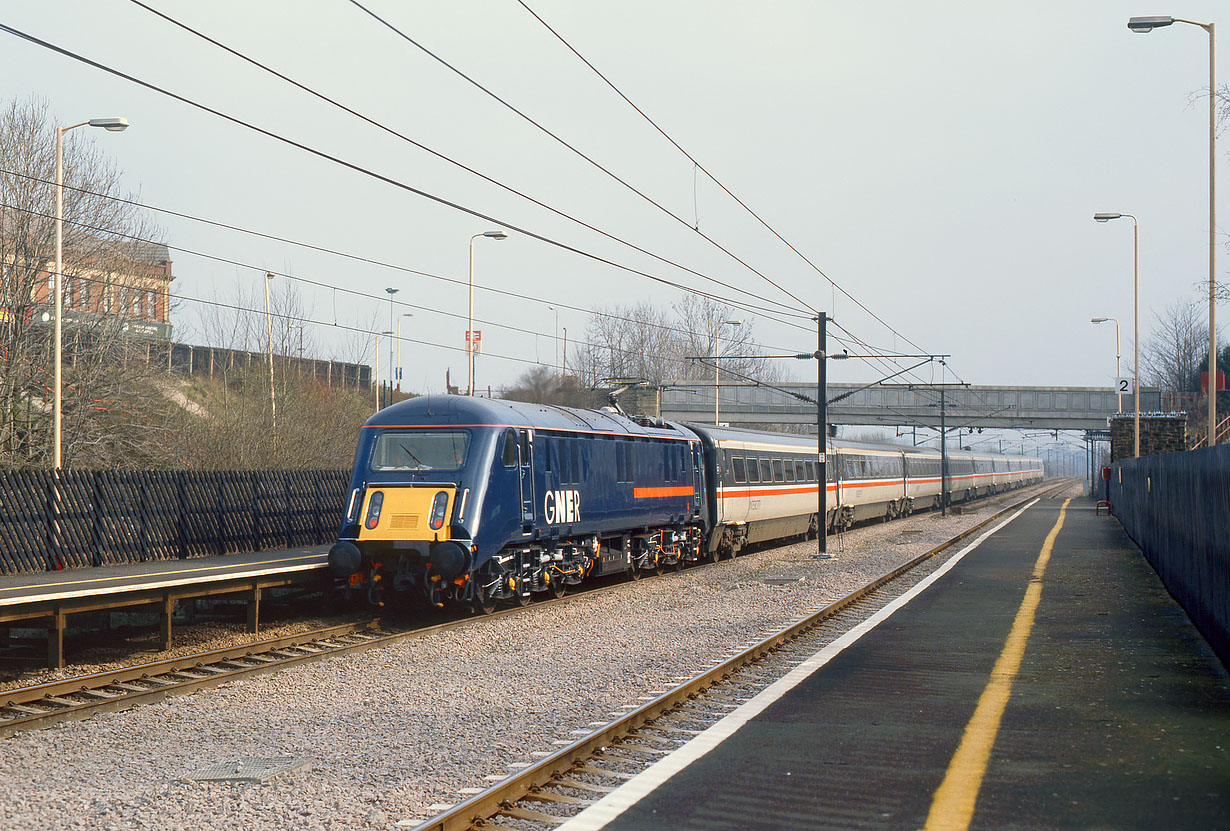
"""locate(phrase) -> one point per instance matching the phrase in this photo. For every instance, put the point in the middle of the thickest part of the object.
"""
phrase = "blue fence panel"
(1176, 507)
(105, 517)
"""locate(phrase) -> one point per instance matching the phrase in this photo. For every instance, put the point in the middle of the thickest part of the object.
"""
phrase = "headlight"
(373, 510)
(438, 507)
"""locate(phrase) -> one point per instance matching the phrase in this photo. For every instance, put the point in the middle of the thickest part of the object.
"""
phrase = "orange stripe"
(650, 493)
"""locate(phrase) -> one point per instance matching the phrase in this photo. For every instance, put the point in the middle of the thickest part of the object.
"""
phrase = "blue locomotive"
(473, 502)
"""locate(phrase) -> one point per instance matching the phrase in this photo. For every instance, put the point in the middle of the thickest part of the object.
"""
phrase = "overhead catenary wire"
(576, 151)
(380, 177)
(355, 292)
(698, 166)
(716, 181)
(448, 159)
(357, 257)
(353, 166)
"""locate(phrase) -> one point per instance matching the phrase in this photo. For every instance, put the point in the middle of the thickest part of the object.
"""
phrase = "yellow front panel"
(406, 513)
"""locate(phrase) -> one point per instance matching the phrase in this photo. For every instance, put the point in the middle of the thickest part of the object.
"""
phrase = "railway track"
(42, 705)
(548, 792)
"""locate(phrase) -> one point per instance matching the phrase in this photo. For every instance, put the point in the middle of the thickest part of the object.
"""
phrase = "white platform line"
(615, 803)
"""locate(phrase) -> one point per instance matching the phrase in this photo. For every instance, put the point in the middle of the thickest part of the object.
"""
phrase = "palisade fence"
(107, 517)
(1176, 507)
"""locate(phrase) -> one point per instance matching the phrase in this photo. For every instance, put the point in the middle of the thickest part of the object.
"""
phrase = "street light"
(114, 125)
(470, 326)
(1118, 371)
(717, 359)
(391, 292)
(1107, 217)
(1144, 25)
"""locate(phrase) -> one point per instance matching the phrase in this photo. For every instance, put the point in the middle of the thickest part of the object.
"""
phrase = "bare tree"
(1170, 356)
(226, 422)
(107, 418)
(652, 344)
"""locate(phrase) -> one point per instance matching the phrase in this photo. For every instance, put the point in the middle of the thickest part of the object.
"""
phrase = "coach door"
(696, 476)
(525, 469)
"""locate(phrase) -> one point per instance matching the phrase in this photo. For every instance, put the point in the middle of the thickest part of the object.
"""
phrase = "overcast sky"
(941, 165)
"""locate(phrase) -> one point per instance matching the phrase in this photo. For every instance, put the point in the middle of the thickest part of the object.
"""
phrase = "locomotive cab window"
(445, 450)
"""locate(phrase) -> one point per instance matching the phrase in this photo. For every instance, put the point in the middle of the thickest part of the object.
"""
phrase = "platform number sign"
(1123, 385)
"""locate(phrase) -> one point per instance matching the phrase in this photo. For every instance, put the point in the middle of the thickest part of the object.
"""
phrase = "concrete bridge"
(1050, 408)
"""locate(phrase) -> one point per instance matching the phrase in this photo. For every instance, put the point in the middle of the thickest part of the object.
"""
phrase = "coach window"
(800, 472)
(778, 473)
(789, 470)
(811, 471)
(753, 470)
(739, 468)
(766, 471)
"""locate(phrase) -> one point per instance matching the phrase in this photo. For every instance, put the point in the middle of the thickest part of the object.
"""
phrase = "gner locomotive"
(474, 501)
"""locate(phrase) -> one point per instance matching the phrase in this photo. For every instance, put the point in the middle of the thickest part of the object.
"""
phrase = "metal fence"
(107, 517)
(1176, 507)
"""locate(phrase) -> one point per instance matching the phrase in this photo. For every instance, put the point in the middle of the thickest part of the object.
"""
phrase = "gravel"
(393, 731)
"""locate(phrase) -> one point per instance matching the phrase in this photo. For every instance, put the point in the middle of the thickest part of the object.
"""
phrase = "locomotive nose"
(344, 559)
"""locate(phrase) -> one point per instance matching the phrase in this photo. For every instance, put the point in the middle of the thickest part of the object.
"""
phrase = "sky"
(942, 167)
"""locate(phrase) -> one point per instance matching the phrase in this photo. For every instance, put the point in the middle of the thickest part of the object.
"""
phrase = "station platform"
(1044, 680)
(56, 594)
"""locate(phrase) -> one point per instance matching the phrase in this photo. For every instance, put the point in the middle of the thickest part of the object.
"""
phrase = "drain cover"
(249, 769)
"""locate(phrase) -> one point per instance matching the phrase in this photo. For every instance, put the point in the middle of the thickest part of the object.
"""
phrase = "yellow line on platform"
(952, 807)
(67, 583)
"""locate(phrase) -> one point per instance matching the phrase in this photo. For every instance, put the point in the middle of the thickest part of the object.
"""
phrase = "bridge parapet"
(1053, 408)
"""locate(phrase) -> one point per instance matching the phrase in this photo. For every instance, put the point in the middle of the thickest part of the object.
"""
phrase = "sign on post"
(1123, 385)
(474, 341)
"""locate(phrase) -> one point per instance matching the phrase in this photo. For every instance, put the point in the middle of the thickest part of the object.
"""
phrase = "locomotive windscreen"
(421, 450)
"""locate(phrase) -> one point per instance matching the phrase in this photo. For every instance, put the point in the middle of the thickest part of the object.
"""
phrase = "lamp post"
(399, 367)
(114, 125)
(1107, 217)
(470, 326)
(717, 359)
(1144, 25)
(391, 292)
(1118, 371)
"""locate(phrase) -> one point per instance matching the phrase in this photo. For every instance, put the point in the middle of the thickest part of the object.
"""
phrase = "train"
(477, 502)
